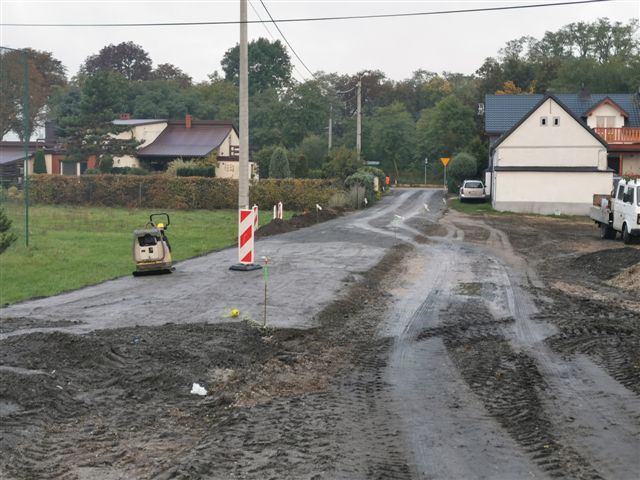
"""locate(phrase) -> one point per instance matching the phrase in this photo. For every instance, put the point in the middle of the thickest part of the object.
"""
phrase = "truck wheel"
(626, 236)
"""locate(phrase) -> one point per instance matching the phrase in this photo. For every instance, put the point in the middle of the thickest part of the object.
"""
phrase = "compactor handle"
(161, 215)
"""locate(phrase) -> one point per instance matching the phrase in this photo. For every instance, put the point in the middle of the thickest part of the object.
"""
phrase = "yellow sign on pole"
(445, 161)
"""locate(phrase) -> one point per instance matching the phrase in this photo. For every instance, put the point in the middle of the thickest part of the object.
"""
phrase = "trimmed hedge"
(162, 191)
(195, 172)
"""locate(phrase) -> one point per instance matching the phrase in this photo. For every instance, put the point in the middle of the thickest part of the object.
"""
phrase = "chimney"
(125, 116)
(187, 121)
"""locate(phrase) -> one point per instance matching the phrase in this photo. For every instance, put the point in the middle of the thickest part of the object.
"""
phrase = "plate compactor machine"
(151, 249)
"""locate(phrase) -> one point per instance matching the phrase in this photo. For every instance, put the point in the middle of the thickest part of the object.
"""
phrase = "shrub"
(106, 164)
(364, 179)
(128, 171)
(6, 237)
(463, 165)
(39, 163)
(92, 171)
(162, 191)
(279, 164)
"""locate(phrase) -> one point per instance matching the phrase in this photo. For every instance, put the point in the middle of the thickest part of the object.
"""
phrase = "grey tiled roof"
(503, 111)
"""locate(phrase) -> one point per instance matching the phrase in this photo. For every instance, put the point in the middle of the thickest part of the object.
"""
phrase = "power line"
(308, 19)
(285, 38)
(264, 24)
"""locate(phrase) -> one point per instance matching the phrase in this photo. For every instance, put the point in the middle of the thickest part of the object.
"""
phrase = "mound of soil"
(276, 227)
(608, 263)
(628, 279)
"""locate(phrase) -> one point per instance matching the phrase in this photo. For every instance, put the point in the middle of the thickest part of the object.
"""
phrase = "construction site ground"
(406, 340)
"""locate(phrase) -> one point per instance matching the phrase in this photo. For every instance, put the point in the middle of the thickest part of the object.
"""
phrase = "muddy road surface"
(404, 341)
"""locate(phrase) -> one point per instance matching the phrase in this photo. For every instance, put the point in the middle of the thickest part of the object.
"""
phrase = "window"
(69, 168)
(620, 192)
(543, 121)
(605, 122)
(556, 121)
(83, 167)
(638, 197)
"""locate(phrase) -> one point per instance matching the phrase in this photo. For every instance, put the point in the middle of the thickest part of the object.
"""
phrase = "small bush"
(39, 163)
(463, 166)
(279, 164)
(129, 171)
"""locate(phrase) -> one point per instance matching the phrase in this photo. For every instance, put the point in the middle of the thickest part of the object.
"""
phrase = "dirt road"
(406, 341)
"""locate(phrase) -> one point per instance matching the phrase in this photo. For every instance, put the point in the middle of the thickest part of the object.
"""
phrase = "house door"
(613, 162)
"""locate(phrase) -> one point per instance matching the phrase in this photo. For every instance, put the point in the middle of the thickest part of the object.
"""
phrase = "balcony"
(625, 135)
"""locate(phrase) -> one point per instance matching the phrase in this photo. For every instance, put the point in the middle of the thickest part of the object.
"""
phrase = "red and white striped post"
(255, 218)
(246, 226)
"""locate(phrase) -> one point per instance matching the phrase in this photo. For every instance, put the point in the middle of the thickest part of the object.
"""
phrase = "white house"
(550, 162)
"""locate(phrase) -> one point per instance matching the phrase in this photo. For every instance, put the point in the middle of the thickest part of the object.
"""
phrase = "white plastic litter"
(198, 389)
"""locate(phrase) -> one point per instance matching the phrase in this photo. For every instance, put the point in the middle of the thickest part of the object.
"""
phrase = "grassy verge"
(70, 247)
(472, 208)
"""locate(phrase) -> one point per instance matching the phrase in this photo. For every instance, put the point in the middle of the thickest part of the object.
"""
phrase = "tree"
(279, 165)
(44, 73)
(393, 137)
(305, 110)
(269, 65)
(6, 237)
(314, 148)
(85, 115)
(445, 129)
(171, 73)
(128, 59)
(39, 164)
(342, 163)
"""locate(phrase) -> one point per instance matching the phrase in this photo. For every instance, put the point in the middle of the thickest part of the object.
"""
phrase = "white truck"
(619, 212)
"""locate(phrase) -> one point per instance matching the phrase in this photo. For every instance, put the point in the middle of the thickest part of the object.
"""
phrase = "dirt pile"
(628, 279)
(606, 264)
(277, 226)
(117, 403)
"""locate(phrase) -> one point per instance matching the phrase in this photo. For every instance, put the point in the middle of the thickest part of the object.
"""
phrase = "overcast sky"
(396, 46)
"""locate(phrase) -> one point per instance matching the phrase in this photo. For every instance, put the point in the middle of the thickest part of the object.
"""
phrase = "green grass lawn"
(472, 208)
(70, 247)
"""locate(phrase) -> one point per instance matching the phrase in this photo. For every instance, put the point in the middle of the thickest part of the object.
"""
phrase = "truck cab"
(626, 209)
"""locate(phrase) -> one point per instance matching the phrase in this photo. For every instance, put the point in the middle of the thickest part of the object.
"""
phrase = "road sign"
(445, 161)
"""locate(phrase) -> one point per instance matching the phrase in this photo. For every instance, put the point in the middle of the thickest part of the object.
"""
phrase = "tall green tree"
(170, 73)
(269, 65)
(314, 148)
(85, 115)
(127, 58)
(44, 75)
(393, 137)
(445, 129)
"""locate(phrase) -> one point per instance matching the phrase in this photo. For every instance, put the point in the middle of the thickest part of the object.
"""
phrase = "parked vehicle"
(472, 190)
(618, 212)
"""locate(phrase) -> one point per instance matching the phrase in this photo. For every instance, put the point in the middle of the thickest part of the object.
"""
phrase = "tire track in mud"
(509, 384)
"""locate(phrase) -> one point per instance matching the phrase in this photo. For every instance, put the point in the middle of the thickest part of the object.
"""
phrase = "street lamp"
(426, 160)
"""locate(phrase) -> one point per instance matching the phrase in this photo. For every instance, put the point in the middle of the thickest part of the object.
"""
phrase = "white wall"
(549, 192)
(630, 163)
(145, 133)
(231, 169)
(605, 110)
(225, 147)
(568, 144)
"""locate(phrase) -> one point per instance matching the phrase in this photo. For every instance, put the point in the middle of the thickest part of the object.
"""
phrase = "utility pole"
(243, 180)
(359, 120)
(330, 126)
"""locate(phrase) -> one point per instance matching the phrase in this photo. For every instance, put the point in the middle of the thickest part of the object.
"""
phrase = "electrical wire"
(264, 24)
(285, 39)
(309, 19)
